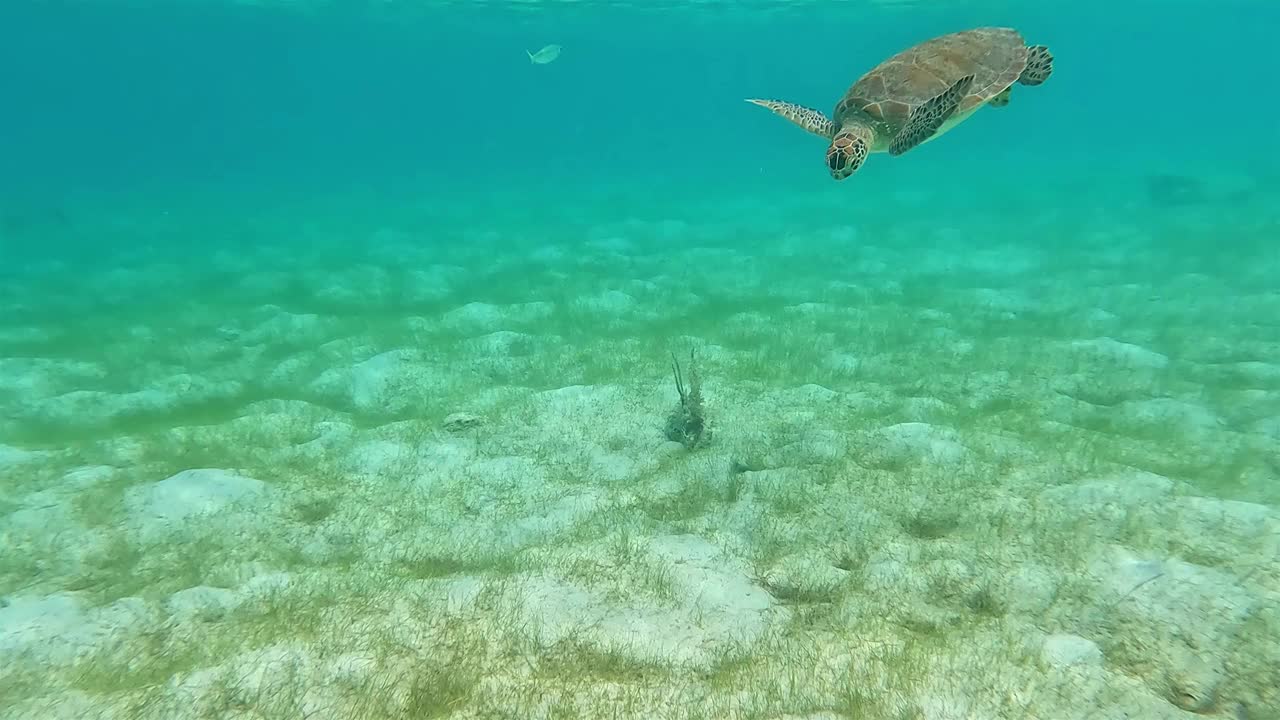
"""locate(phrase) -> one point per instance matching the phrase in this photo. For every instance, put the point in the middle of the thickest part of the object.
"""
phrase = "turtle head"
(848, 149)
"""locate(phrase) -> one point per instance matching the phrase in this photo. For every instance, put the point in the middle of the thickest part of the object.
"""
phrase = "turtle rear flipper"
(1039, 65)
(1002, 98)
(807, 118)
(926, 119)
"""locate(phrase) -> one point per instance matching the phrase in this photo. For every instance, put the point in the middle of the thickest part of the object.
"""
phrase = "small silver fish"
(545, 55)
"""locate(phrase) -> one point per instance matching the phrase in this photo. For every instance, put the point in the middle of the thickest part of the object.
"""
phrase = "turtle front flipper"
(926, 119)
(807, 118)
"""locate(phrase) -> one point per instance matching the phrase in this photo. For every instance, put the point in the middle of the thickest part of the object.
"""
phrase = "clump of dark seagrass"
(687, 423)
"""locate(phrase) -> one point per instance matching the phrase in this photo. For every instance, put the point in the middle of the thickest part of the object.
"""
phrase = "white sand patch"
(162, 508)
(719, 608)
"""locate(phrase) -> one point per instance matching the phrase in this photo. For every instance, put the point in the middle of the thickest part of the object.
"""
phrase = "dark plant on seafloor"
(687, 423)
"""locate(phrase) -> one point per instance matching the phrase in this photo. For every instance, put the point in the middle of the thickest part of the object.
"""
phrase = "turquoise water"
(336, 367)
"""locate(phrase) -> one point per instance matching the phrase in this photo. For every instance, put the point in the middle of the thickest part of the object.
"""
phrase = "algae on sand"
(687, 423)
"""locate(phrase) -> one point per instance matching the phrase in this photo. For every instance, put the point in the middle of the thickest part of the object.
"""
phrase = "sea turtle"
(921, 93)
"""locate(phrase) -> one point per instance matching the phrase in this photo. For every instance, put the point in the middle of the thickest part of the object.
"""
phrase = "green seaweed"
(687, 423)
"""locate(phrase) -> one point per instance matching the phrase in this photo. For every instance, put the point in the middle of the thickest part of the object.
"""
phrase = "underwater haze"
(355, 365)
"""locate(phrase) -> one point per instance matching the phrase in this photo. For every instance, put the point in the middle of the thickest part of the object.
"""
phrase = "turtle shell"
(888, 93)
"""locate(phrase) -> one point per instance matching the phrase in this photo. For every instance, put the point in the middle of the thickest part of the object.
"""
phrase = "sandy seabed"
(1020, 463)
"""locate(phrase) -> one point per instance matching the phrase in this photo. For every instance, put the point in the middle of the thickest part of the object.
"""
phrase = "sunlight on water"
(361, 360)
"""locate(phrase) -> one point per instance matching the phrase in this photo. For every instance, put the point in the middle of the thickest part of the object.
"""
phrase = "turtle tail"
(807, 118)
(1039, 65)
